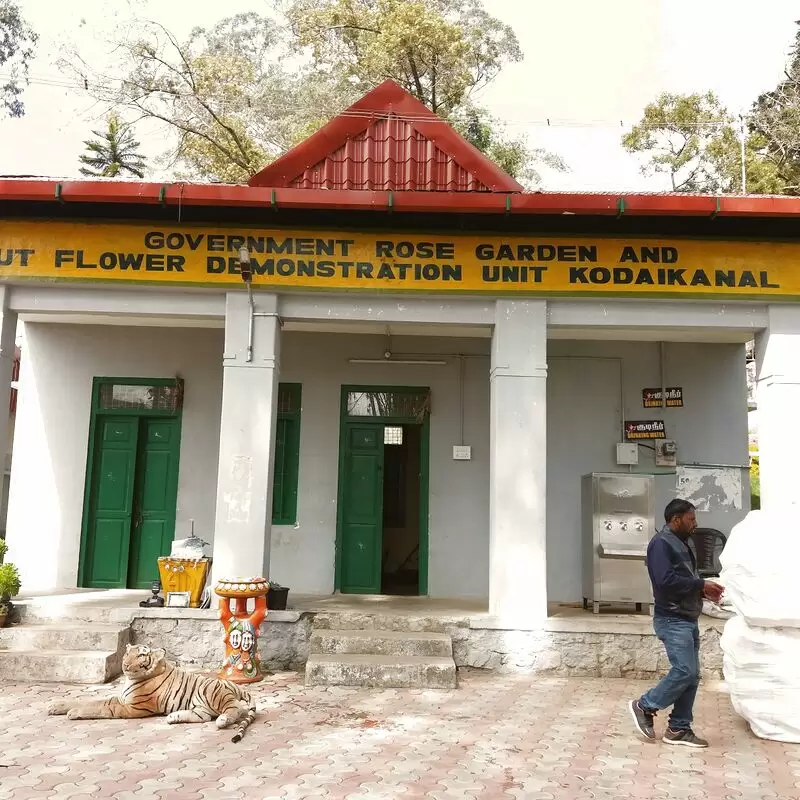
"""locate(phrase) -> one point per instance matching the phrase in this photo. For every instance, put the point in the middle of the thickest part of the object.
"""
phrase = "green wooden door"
(155, 496)
(362, 509)
(111, 502)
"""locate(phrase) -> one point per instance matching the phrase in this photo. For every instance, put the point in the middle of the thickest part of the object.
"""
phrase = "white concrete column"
(247, 434)
(517, 464)
(8, 340)
(778, 402)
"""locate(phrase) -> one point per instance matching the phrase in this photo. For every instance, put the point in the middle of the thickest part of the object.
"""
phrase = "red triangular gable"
(387, 140)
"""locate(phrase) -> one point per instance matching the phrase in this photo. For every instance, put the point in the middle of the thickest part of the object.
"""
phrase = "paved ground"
(496, 737)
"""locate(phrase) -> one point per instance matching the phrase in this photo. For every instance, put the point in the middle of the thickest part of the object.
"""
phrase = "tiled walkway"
(497, 736)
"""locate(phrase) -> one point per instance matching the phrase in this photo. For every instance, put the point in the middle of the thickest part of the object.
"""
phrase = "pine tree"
(113, 154)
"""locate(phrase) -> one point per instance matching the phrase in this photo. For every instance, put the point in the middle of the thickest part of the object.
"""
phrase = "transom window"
(405, 405)
(118, 396)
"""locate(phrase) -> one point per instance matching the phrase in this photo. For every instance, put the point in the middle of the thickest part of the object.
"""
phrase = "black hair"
(677, 508)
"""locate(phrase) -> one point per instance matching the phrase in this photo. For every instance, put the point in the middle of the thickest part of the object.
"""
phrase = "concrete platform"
(570, 642)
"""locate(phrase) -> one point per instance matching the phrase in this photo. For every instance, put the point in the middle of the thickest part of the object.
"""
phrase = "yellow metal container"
(184, 575)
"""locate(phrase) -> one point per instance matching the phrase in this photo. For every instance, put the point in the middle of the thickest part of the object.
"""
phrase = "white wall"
(52, 430)
(584, 405)
(47, 484)
(302, 557)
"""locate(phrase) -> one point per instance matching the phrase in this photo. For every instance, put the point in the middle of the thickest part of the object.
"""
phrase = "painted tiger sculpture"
(154, 686)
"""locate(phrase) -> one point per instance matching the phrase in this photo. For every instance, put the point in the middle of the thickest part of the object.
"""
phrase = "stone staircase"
(85, 647)
(372, 652)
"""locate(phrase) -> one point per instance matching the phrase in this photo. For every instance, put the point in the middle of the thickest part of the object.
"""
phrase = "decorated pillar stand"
(242, 663)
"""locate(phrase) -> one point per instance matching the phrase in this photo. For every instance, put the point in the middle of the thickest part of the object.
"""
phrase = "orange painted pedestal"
(242, 663)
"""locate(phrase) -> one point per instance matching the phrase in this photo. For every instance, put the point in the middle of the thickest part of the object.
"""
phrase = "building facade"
(428, 362)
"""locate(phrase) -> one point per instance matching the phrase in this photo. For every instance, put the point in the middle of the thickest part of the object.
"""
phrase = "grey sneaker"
(684, 738)
(643, 719)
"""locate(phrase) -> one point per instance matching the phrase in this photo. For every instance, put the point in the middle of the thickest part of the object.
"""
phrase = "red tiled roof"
(390, 141)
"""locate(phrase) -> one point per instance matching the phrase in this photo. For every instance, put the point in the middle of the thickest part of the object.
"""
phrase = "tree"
(693, 138)
(17, 48)
(237, 95)
(226, 93)
(775, 120)
(113, 154)
(441, 51)
(684, 137)
(695, 141)
(514, 156)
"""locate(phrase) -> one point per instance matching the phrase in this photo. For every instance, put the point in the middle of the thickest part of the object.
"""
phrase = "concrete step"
(381, 672)
(52, 614)
(64, 637)
(381, 643)
(59, 666)
(357, 620)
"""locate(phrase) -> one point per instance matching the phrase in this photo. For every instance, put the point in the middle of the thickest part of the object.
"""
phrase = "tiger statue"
(154, 686)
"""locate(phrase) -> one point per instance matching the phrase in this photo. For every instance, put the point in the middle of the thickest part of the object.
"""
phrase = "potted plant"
(277, 597)
(9, 586)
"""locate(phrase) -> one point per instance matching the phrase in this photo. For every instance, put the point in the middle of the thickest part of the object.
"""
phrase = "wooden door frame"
(424, 479)
(96, 412)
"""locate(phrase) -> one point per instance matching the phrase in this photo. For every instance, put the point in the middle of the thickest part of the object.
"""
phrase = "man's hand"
(712, 591)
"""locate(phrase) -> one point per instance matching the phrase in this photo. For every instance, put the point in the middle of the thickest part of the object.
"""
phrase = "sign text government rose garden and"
(330, 258)
(386, 261)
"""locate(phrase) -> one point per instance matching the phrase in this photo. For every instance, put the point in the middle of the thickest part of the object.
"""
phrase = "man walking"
(678, 592)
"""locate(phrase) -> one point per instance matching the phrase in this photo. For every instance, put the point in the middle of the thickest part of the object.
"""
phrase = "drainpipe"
(251, 323)
(247, 277)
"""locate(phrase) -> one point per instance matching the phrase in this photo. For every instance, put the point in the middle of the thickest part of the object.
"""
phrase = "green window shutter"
(287, 455)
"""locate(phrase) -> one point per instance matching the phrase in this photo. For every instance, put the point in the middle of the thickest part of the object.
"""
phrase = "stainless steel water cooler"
(618, 518)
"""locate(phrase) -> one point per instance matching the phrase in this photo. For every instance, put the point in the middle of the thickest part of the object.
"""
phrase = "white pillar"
(247, 433)
(518, 456)
(778, 403)
(8, 342)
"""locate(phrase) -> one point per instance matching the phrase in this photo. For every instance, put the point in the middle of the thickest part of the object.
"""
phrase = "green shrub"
(9, 580)
(755, 483)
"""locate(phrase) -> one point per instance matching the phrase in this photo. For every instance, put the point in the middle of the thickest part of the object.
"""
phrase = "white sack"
(762, 670)
(716, 610)
(759, 568)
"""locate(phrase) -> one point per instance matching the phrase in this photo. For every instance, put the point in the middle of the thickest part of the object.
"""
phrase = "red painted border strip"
(223, 195)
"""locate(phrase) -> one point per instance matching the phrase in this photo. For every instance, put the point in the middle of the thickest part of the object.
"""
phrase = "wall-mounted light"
(246, 269)
(388, 357)
(244, 265)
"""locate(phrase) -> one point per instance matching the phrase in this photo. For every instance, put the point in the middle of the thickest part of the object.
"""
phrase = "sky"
(590, 67)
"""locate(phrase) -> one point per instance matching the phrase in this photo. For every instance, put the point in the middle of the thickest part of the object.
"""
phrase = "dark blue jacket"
(677, 588)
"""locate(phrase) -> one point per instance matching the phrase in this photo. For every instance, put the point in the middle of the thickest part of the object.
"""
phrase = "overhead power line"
(539, 122)
(85, 85)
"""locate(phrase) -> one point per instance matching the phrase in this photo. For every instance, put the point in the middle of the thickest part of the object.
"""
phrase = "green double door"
(131, 507)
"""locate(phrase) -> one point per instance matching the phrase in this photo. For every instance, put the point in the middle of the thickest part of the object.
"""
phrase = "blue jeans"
(678, 687)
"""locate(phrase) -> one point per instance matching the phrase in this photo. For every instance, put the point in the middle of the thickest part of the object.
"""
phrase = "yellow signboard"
(398, 262)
